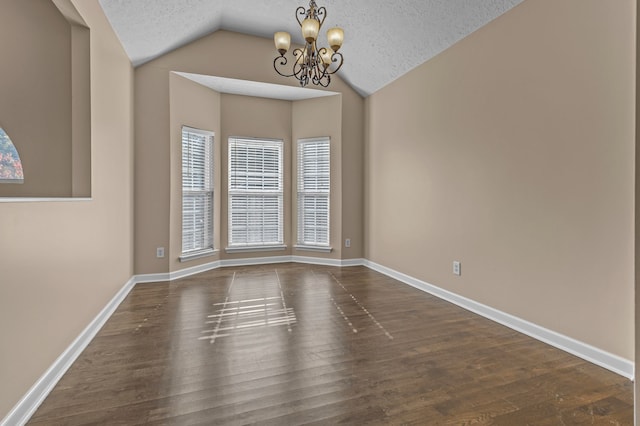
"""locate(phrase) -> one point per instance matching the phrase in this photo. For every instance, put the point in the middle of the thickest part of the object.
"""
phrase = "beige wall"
(216, 55)
(513, 152)
(637, 228)
(61, 262)
(195, 106)
(352, 163)
(151, 168)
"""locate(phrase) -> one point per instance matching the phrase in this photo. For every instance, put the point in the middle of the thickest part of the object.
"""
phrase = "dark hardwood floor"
(295, 344)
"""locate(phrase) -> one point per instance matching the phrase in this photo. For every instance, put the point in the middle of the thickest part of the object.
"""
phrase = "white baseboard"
(340, 263)
(255, 261)
(30, 402)
(182, 273)
(353, 262)
(151, 278)
(619, 365)
(193, 270)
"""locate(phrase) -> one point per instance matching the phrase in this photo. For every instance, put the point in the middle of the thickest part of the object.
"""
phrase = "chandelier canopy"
(311, 64)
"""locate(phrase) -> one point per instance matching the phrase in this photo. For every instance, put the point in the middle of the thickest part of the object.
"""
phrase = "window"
(313, 192)
(10, 164)
(197, 192)
(255, 193)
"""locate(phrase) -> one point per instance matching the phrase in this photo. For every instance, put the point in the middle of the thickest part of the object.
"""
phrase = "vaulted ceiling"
(383, 39)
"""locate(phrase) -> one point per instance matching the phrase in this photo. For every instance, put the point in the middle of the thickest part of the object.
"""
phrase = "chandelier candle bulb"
(310, 29)
(282, 40)
(335, 37)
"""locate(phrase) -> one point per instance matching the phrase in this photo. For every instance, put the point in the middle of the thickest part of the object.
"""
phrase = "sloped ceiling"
(383, 39)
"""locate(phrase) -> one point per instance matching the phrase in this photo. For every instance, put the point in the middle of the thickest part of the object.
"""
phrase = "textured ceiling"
(383, 39)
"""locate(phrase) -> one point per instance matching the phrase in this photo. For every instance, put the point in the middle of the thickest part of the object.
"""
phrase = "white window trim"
(207, 251)
(318, 248)
(255, 247)
(301, 245)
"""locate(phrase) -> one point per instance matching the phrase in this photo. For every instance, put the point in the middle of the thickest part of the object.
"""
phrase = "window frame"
(244, 184)
(320, 188)
(206, 192)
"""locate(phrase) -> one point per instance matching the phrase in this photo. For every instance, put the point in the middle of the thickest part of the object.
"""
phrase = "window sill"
(247, 249)
(322, 249)
(197, 255)
(42, 200)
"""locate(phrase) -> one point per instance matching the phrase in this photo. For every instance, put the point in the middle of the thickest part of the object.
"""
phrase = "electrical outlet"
(347, 242)
(456, 267)
(160, 252)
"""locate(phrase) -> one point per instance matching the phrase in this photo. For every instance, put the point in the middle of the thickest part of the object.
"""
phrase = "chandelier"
(311, 64)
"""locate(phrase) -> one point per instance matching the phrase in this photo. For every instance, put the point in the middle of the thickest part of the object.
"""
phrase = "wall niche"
(45, 105)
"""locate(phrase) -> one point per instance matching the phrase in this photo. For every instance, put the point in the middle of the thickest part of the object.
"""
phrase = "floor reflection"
(238, 316)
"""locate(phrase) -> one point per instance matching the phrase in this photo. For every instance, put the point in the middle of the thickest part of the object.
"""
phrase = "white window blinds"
(255, 192)
(313, 192)
(197, 190)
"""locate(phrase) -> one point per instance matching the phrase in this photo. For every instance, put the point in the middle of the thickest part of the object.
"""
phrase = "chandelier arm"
(314, 77)
(298, 54)
(320, 75)
(302, 12)
(336, 58)
(318, 67)
(321, 15)
(304, 80)
(327, 79)
(283, 62)
(298, 72)
(323, 79)
(299, 65)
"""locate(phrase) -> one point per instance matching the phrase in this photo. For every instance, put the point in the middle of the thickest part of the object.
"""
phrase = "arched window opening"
(10, 164)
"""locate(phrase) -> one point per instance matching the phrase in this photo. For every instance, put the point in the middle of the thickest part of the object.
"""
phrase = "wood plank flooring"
(292, 344)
